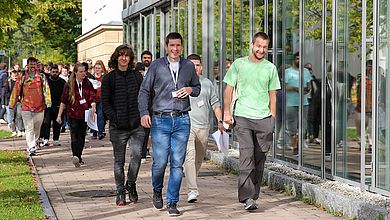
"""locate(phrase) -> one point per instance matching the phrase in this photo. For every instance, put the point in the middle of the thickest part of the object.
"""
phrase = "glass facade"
(335, 122)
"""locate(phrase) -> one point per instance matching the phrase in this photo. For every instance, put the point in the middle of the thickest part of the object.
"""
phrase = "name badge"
(200, 103)
(174, 94)
(82, 101)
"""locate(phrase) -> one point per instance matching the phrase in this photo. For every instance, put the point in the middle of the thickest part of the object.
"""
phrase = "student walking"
(257, 81)
(33, 92)
(56, 85)
(78, 95)
(169, 82)
(201, 107)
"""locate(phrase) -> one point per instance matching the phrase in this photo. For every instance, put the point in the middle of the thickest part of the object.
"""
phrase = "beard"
(257, 56)
(146, 64)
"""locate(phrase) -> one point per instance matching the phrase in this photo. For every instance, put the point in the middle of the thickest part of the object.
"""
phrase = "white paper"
(222, 140)
(90, 123)
(95, 83)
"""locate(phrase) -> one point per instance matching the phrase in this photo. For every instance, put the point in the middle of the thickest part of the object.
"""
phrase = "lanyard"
(174, 75)
(80, 89)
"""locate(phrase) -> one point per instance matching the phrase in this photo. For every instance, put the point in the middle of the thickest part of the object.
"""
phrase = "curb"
(45, 202)
(313, 189)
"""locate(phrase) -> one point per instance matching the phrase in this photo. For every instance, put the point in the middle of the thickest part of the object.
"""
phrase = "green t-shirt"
(255, 80)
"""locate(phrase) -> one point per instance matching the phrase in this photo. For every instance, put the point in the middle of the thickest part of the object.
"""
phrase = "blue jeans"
(9, 117)
(169, 138)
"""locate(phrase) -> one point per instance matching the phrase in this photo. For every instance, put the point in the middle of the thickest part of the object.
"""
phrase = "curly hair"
(119, 51)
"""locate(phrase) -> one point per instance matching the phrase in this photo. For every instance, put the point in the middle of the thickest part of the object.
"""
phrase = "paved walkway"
(88, 192)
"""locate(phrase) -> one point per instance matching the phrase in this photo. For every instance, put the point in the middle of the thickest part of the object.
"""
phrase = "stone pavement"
(88, 192)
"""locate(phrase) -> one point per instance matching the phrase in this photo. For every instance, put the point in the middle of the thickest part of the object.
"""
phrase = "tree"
(42, 28)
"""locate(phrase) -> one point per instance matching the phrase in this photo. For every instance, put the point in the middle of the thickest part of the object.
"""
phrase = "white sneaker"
(56, 143)
(192, 196)
(76, 161)
(31, 151)
(14, 134)
(143, 160)
(2, 121)
(86, 140)
(45, 142)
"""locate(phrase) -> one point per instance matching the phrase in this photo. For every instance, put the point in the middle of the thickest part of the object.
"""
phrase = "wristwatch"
(220, 121)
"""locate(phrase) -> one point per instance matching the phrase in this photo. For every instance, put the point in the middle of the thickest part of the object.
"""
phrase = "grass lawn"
(5, 134)
(18, 195)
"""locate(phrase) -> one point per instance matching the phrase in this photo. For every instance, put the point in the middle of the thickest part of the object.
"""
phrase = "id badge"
(201, 103)
(174, 94)
(82, 101)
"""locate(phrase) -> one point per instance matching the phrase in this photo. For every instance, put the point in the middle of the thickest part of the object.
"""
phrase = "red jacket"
(77, 110)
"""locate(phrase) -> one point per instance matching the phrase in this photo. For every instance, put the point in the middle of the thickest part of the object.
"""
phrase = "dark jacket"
(7, 90)
(119, 97)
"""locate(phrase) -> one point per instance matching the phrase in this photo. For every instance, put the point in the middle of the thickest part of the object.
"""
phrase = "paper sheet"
(222, 140)
(95, 83)
(90, 123)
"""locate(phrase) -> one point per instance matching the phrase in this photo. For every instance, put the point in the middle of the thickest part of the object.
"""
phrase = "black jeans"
(145, 144)
(50, 116)
(78, 129)
(119, 140)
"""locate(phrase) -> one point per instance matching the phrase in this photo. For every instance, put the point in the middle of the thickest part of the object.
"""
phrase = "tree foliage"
(42, 28)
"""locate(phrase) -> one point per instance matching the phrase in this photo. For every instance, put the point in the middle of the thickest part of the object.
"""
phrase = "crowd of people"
(163, 103)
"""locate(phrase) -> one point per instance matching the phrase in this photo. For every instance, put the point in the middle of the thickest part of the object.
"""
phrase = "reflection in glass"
(347, 68)
(313, 64)
(383, 125)
(288, 32)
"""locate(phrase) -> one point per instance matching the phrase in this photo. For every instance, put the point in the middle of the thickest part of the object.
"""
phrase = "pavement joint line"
(45, 202)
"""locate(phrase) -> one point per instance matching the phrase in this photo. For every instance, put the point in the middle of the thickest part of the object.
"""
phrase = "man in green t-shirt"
(257, 81)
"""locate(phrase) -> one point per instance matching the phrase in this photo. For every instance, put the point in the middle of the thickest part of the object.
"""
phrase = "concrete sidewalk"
(88, 192)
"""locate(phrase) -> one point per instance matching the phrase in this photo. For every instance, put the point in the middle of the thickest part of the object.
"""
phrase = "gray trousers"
(119, 139)
(255, 138)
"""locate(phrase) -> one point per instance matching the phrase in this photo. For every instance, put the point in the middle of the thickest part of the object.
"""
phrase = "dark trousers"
(145, 144)
(78, 129)
(313, 119)
(50, 116)
(255, 137)
(119, 140)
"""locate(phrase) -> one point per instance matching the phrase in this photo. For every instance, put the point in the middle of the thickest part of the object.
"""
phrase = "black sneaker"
(133, 195)
(172, 210)
(157, 199)
(250, 204)
(120, 199)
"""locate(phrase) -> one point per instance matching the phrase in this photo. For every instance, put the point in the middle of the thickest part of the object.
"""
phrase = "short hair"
(296, 54)
(173, 36)
(3, 66)
(32, 59)
(261, 35)
(54, 66)
(86, 65)
(120, 50)
(146, 52)
(369, 62)
(194, 57)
